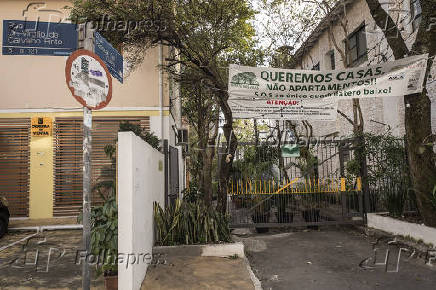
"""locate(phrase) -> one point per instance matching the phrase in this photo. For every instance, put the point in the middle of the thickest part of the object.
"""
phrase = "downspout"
(161, 98)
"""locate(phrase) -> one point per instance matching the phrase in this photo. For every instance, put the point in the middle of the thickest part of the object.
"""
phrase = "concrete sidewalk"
(332, 259)
(197, 272)
(31, 267)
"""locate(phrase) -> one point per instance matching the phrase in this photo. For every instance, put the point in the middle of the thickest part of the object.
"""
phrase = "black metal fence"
(260, 170)
(265, 204)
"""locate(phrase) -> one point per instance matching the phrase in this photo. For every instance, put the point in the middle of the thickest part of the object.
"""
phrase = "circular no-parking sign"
(88, 79)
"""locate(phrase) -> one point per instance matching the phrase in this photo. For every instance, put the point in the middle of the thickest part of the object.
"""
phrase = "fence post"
(343, 198)
(341, 160)
(364, 176)
(360, 196)
(166, 171)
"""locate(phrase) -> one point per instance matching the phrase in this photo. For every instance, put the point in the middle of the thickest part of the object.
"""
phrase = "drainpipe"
(161, 98)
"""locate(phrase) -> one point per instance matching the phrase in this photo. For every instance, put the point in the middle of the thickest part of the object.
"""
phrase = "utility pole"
(87, 148)
(78, 74)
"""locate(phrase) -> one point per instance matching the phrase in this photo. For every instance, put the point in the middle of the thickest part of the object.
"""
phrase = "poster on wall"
(271, 92)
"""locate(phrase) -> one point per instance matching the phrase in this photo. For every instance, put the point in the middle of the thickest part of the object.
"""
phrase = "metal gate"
(174, 174)
(304, 190)
(14, 164)
(271, 203)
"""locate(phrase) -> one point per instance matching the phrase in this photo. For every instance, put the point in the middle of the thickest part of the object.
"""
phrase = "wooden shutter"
(68, 159)
(14, 165)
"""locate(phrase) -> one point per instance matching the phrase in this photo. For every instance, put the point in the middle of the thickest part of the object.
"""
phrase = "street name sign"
(110, 56)
(38, 38)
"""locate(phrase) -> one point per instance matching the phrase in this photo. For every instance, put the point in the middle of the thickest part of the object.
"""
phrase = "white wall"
(140, 183)
(156, 126)
(398, 227)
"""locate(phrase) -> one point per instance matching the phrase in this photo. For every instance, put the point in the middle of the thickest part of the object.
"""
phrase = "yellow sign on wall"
(41, 126)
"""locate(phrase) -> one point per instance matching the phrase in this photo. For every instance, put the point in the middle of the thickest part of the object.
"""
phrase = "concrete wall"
(141, 182)
(399, 227)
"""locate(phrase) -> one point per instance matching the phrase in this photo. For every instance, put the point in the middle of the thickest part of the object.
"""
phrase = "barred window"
(357, 45)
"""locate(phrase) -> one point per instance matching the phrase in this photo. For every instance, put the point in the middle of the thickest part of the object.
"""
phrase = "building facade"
(41, 176)
(368, 46)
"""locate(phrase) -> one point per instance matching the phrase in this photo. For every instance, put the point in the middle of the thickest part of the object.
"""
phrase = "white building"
(368, 47)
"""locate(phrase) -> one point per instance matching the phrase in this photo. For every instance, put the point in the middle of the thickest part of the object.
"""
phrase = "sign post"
(87, 148)
(91, 85)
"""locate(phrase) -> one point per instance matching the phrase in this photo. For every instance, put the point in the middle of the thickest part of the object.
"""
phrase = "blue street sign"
(38, 38)
(110, 56)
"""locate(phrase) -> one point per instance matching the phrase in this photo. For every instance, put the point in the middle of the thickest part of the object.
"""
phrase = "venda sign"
(41, 126)
(271, 92)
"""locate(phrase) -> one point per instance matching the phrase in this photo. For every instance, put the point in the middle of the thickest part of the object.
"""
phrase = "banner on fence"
(319, 110)
(266, 92)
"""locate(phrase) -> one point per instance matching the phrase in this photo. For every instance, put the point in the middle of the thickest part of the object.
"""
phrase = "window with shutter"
(68, 159)
(15, 164)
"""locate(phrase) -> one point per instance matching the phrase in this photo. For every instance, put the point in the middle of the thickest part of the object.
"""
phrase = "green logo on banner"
(290, 150)
(246, 80)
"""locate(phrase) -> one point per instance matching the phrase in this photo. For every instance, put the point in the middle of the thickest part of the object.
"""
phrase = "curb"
(212, 250)
(254, 279)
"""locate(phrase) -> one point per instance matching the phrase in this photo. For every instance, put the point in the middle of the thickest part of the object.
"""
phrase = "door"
(174, 174)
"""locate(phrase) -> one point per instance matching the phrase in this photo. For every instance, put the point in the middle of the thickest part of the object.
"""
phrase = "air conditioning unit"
(182, 137)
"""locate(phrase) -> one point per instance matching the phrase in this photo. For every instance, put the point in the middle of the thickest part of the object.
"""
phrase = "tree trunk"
(209, 154)
(207, 174)
(418, 107)
(256, 133)
(202, 143)
(227, 156)
(421, 163)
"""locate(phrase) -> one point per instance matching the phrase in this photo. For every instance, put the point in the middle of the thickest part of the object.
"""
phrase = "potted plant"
(282, 215)
(261, 211)
(104, 240)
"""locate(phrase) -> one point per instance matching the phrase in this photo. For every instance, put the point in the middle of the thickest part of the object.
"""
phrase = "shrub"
(192, 194)
(104, 235)
(148, 137)
(190, 223)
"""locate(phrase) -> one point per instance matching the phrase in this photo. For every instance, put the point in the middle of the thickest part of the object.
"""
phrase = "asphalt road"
(333, 259)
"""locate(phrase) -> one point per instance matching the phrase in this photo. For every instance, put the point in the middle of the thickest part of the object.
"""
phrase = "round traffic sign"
(88, 79)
